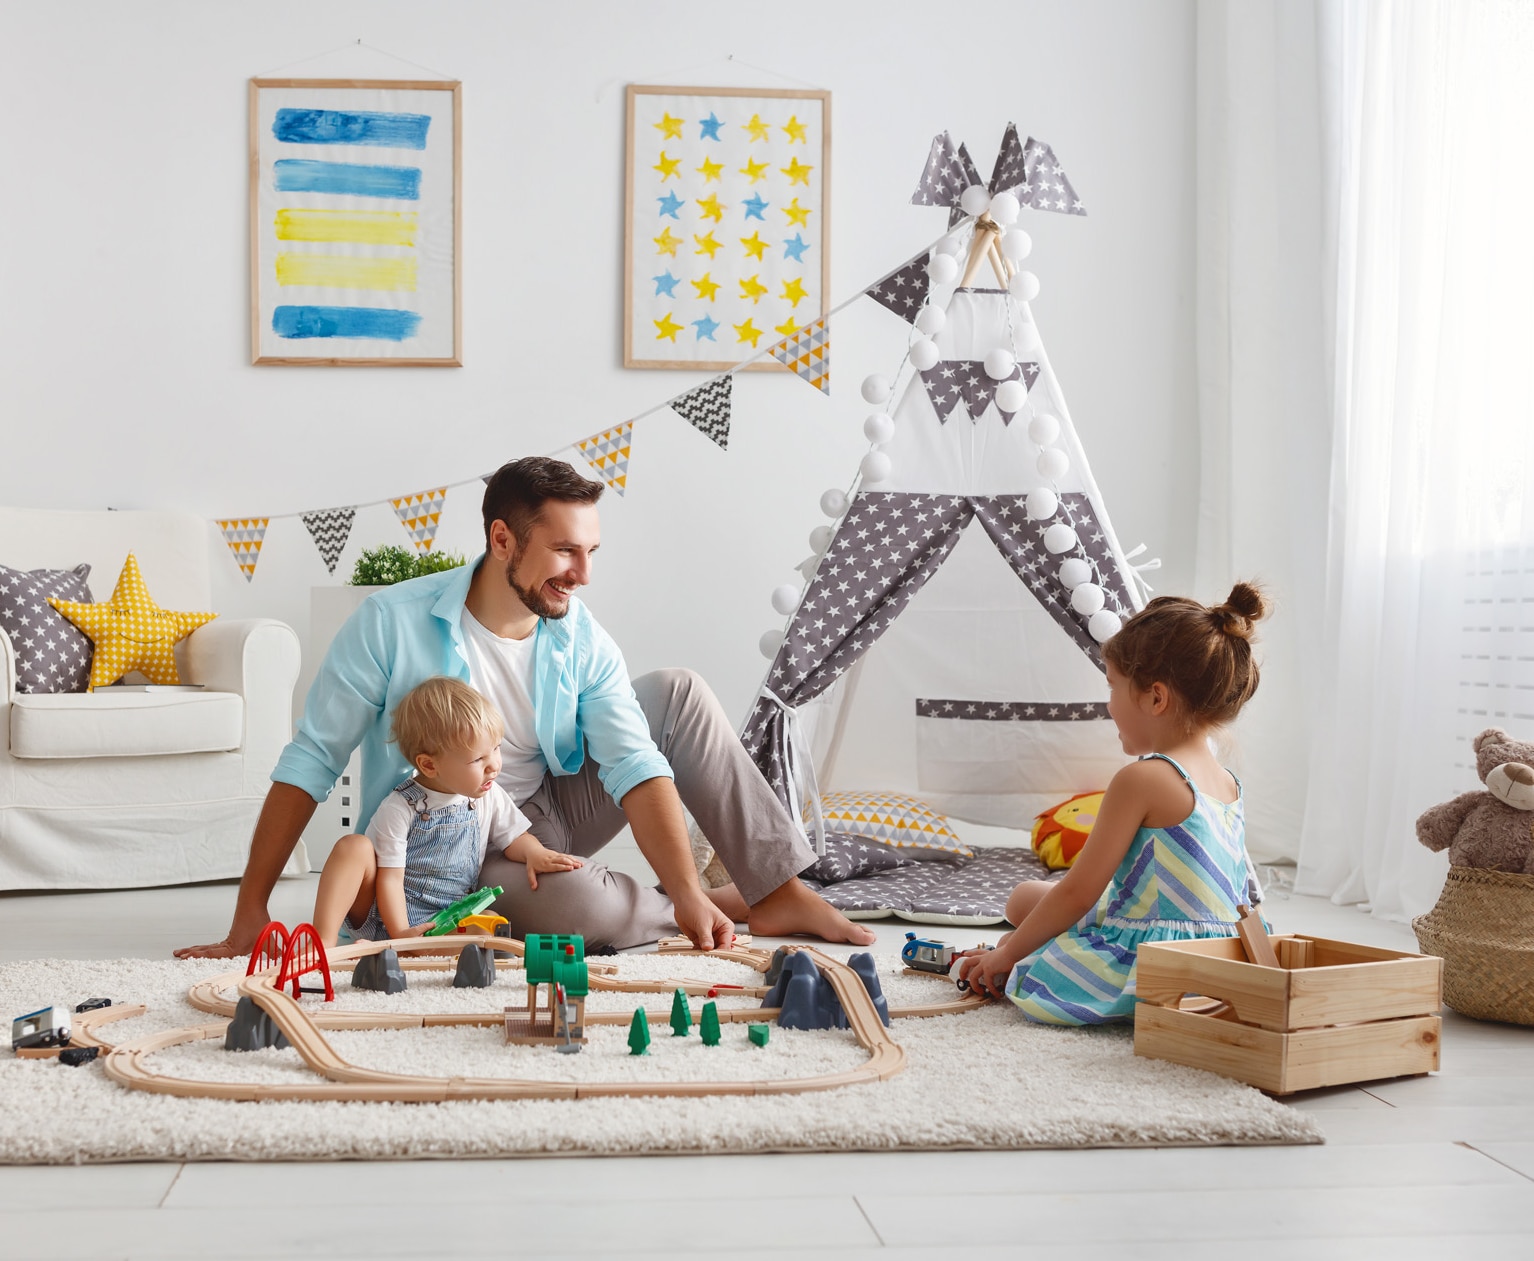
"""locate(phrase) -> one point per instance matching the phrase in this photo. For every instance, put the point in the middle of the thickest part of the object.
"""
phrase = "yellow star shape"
(754, 171)
(756, 127)
(752, 288)
(798, 216)
(793, 290)
(667, 327)
(669, 128)
(795, 130)
(131, 631)
(747, 332)
(710, 169)
(706, 244)
(754, 245)
(706, 287)
(788, 328)
(797, 172)
(711, 207)
(665, 243)
(668, 167)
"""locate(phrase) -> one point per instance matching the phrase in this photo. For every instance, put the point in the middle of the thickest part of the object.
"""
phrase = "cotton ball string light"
(950, 245)
(1024, 286)
(930, 319)
(807, 567)
(1087, 598)
(1011, 395)
(1044, 428)
(943, 270)
(1059, 538)
(876, 466)
(820, 538)
(770, 642)
(1042, 504)
(876, 389)
(1000, 363)
(1073, 572)
(1016, 245)
(834, 502)
(924, 353)
(880, 427)
(975, 200)
(1104, 625)
(785, 598)
(1053, 463)
(1004, 208)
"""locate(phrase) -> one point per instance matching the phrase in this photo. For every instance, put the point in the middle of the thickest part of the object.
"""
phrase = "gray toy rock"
(252, 1029)
(381, 972)
(476, 968)
(807, 999)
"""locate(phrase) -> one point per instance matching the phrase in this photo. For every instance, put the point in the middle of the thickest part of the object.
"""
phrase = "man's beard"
(532, 597)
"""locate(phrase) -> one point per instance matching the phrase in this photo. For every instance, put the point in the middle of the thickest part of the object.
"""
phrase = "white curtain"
(1428, 119)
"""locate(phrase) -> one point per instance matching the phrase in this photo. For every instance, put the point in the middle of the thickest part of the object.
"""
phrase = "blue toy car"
(927, 956)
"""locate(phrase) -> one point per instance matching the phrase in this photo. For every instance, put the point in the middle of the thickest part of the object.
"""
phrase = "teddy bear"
(1493, 829)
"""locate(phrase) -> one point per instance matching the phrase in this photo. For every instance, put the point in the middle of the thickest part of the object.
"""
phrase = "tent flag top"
(948, 642)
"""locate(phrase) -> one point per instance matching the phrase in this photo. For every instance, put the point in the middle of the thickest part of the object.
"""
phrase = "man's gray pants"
(754, 836)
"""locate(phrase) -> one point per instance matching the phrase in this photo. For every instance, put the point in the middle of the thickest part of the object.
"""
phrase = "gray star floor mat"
(970, 891)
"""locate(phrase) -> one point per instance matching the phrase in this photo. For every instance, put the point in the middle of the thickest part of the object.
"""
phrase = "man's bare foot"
(242, 936)
(794, 910)
(727, 898)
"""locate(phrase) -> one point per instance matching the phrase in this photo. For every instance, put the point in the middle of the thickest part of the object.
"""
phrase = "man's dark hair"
(516, 492)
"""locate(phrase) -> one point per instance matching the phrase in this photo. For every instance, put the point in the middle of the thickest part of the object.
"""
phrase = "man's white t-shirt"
(500, 822)
(502, 670)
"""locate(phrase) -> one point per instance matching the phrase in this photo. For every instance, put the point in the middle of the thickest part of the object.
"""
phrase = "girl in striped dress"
(1166, 859)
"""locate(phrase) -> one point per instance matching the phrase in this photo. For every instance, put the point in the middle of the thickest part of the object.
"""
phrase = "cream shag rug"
(981, 1079)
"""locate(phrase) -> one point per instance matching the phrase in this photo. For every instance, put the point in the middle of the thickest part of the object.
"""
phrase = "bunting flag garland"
(903, 291)
(808, 352)
(419, 515)
(330, 529)
(1011, 169)
(970, 176)
(942, 179)
(707, 409)
(608, 453)
(955, 382)
(244, 535)
(1047, 187)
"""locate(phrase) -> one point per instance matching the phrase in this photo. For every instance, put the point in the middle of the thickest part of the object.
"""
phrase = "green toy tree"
(639, 1033)
(681, 1018)
(709, 1025)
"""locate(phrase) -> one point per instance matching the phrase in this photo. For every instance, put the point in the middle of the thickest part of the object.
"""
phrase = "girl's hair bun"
(1243, 607)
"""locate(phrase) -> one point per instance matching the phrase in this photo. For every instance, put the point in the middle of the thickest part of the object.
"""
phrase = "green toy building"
(557, 959)
(757, 1034)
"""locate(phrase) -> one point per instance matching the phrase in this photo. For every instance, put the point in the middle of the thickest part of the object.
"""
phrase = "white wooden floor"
(1439, 1167)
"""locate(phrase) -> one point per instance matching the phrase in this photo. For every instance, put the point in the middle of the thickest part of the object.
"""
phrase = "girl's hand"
(541, 859)
(986, 974)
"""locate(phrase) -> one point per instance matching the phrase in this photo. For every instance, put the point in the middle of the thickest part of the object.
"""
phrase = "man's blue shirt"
(404, 634)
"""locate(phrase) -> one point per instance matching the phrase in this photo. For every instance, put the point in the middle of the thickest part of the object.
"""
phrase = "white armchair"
(116, 790)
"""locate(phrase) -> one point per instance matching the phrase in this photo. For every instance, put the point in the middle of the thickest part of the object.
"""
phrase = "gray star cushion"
(52, 653)
(850, 857)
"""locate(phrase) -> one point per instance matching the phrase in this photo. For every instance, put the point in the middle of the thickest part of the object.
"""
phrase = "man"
(584, 753)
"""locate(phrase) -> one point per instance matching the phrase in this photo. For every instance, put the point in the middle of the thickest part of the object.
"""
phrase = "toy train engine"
(46, 1027)
(923, 955)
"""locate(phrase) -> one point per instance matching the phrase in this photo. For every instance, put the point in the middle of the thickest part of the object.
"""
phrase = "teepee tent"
(947, 644)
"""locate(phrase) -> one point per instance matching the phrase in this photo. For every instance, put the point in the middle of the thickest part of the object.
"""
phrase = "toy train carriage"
(924, 955)
(46, 1027)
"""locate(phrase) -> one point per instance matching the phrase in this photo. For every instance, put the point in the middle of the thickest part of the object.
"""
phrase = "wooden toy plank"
(1254, 938)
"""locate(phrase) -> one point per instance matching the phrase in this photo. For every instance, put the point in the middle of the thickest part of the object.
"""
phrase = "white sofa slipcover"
(117, 790)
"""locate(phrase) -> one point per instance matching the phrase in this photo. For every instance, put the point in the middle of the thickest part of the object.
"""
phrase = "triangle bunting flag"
(608, 453)
(1046, 186)
(808, 352)
(244, 535)
(419, 515)
(707, 409)
(903, 291)
(330, 529)
(953, 383)
(1011, 168)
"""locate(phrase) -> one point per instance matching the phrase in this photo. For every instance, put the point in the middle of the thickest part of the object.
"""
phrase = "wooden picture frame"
(356, 222)
(753, 159)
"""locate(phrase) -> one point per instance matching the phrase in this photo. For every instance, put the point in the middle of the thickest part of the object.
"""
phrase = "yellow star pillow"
(131, 631)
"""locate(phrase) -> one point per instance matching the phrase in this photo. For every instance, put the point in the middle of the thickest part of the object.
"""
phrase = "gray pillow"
(851, 857)
(52, 653)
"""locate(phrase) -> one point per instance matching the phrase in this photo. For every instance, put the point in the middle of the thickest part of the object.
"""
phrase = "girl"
(1166, 859)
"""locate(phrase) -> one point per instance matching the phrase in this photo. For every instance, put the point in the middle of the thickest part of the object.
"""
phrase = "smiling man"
(585, 751)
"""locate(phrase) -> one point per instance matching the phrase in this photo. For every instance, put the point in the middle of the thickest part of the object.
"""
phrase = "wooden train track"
(126, 1063)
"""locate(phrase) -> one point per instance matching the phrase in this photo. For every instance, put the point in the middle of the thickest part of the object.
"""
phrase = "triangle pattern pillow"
(898, 820)
(52, 654)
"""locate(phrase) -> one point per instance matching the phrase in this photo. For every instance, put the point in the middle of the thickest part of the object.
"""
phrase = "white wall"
(124, 373)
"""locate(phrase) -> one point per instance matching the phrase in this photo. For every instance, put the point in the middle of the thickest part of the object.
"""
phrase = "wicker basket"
(1483, 929)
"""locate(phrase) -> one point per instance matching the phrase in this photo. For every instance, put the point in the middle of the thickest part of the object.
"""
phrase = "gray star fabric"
(1011, 167)
(1046, 186)
(52, 653)
(967, 890)
(886, 548)
(943, 178)
(1012, 711)
(330, 528)
(953, 383)
(903, 291)
(707, 409)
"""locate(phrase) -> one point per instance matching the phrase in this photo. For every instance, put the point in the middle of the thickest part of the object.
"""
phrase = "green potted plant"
(384, 566)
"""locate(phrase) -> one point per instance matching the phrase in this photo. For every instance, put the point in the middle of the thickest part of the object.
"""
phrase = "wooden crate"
(1330, 1013)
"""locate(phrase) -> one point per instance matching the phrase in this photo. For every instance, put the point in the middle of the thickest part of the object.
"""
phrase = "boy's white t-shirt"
(500, 822)
(502, 670)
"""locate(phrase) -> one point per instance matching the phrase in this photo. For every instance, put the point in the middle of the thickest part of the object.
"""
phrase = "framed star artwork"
(355, 222)
(725, 222)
